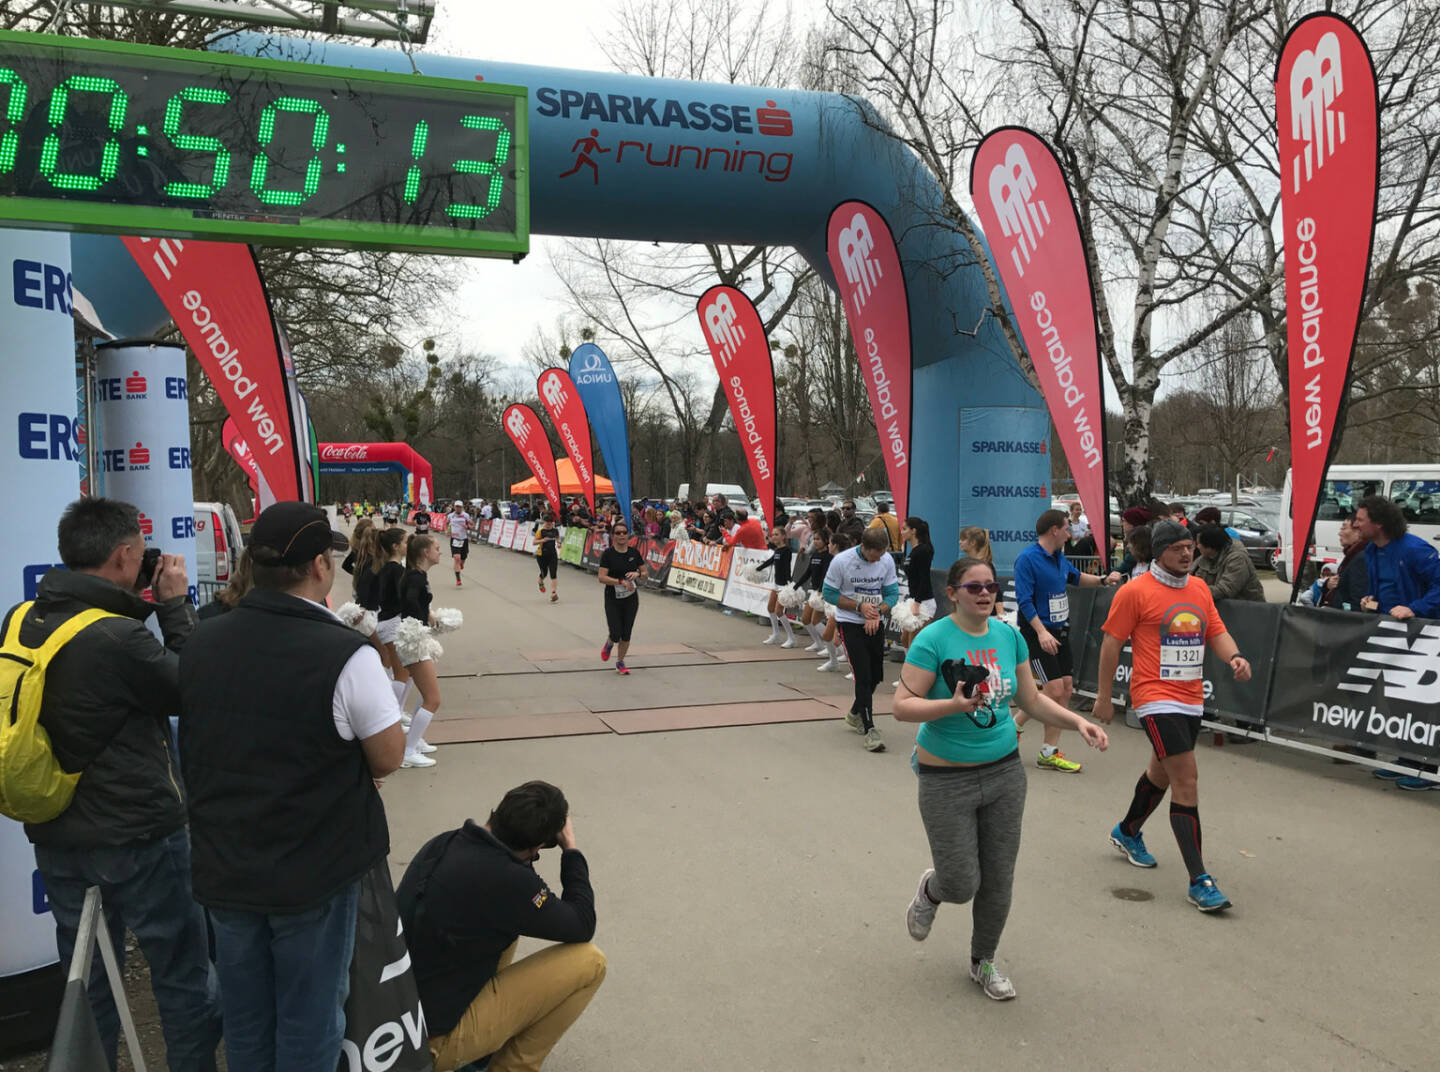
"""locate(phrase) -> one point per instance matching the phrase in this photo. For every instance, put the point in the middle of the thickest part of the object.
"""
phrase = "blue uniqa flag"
(600, 392)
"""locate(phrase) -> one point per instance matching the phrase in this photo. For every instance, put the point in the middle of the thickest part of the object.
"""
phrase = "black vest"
(283, 812)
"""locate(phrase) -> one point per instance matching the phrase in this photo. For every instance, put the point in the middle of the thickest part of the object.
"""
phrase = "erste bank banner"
(1329, 129)
(1025, 209)
(877, 307)
(736, 337)
(567, 413)
(528, 435)
(217, 298)
(594, 378)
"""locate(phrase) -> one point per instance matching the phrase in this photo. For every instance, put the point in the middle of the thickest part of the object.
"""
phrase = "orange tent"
(569, 482)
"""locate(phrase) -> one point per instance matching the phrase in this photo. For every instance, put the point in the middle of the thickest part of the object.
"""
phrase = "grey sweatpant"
(972, 820)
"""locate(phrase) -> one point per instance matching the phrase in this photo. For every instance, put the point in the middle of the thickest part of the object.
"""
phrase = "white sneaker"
(813, 647)
(789, 642)
(828, 665)
(416, 759)
(920, 916)
(425, 747)
(995, 985)
(771, 639)
(873, 743)
(850, 676)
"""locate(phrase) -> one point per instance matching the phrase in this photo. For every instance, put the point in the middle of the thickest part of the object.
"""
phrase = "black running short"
(461, 548)
(548, 561)
(1171, 733)
(1045, 666)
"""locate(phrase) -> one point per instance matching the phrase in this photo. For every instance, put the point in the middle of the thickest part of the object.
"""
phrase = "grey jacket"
(1230, 574)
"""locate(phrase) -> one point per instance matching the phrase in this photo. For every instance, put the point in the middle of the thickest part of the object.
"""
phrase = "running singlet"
(961, 738)
(852, 574)
(459, 527)
(1167, 628)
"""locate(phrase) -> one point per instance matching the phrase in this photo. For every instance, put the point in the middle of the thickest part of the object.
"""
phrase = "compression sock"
(1185, 821)
(418, 725)
(789, 633)
(1147, 798)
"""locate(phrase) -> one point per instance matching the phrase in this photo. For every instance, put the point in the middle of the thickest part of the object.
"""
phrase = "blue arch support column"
(647, 159)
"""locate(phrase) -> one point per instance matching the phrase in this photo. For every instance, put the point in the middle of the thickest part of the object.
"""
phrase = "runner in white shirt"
(460, 524)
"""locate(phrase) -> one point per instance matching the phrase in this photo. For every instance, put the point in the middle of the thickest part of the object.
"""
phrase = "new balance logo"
(1407, 671)
(720, 320)
(554, 391)
(1315, 82)
(1011, 185)
(167, 256)
(861, 271)
(517, 424)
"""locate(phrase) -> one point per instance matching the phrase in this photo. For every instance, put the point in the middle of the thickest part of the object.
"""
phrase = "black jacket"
(415, 596)
(109, 694)
(465, 898)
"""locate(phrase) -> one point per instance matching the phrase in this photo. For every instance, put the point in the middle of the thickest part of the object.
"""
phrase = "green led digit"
(14, 111)
(319, 135)
(417, 150)
(484, 167)
(220, 173)
(109, 156)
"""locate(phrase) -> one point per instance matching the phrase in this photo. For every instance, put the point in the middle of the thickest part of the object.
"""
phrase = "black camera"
(149, 566)
(964, 677)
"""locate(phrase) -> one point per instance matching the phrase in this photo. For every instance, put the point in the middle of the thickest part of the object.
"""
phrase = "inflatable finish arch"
(342, 459)
(627, 157)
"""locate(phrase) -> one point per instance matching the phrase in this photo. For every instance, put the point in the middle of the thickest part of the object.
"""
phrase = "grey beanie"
(1163, 534)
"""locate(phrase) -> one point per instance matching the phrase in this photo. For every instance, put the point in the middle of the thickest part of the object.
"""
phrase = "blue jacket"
(1038, 578)
(1405, 573)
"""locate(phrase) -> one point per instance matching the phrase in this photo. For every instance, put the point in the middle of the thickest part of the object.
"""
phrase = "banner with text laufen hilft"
(741, 352)
(866, 265)
(594, 378)
(567, 413)
(528, 435)
(1025, 209)
(1329, 140)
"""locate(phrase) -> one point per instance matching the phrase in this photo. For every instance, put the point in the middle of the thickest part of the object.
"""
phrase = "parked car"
(218, 541)
(1259, 535)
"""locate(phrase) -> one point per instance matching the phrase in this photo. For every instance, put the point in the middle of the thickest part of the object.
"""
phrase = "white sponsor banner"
(143, 411)
(697, 584)
(743, 595)
(507, 532)
(517, 537)
(41, 470)
(528, 544)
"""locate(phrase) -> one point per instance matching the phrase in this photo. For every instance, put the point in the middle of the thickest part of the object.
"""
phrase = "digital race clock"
(107, 137)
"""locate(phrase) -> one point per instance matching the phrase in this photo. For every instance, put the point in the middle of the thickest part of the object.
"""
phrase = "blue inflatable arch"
(626, 157)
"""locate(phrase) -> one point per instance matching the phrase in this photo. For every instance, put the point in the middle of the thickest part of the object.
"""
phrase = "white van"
(1415, 488)
(217, 542)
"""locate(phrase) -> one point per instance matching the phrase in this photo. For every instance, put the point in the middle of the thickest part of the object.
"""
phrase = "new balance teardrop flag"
(594, 378)
(1329, 127)
(528, 435)
(567, 413)
(741, 352)
(1025, 209)
(866, 265)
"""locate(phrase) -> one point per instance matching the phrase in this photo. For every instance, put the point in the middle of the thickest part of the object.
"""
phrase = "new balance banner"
(742, 358)
(239, 450)
(1360, 679)
(215, 293)
(567, 413)
(528, 435)
(1028, 216)
(594, 378)
(700, 569)
(867, 271)
(1329, 162)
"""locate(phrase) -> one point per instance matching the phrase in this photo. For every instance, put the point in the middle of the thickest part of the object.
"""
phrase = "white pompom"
(447, 619)
(816, 600)
(905, 621)
(357, 618)
(749, 573)
(414, 643)
(830, 609)
(790, 597)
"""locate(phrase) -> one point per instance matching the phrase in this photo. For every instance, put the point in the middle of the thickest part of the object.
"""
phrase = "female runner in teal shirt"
(972, 785)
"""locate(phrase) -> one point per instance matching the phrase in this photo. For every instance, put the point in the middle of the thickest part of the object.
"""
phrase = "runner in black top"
(547, 536)
(422, 521)
(621, 568)
(421, 553)
(780, 559)
(811, 617)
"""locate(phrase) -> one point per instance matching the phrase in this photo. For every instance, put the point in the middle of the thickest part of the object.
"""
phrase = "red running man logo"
(583, 147)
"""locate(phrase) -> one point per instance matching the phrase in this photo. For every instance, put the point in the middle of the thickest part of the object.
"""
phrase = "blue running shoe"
(1416, 785)
(1133, 847)
(1388, 775)
(1206, 896)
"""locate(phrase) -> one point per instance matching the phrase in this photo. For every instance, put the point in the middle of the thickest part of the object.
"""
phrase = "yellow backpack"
(33, 787)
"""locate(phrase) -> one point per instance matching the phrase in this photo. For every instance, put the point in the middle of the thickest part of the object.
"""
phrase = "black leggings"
(867, 659)
(547, 562)
(620, 617)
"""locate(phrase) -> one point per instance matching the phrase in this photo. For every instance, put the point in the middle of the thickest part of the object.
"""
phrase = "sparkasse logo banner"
(1328, 120)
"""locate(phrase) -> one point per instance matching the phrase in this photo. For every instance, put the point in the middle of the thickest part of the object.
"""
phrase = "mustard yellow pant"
(521, 1013)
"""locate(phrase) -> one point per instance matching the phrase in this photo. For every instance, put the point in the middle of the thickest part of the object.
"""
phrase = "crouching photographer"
(466, 899)
(958, 680)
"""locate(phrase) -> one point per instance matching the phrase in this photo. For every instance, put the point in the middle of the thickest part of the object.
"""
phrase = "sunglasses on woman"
(975, 587)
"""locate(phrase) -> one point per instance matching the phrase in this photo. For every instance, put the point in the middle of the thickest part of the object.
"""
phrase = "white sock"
(789, 633)
(774, 625)
(418, 726)
(401, 688)
(814, 631)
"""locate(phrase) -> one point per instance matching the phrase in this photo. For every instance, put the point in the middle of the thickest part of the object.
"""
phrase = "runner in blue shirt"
(1042, 573)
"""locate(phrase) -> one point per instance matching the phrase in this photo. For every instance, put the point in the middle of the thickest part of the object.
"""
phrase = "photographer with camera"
(465, 901)
(959, 676)
(108, 696)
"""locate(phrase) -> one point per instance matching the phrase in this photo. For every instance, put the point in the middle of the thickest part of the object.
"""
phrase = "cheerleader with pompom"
(812, 614)
(416, 648)
(831, 640)
(388, 569)
(780, 560)
(917, 611)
